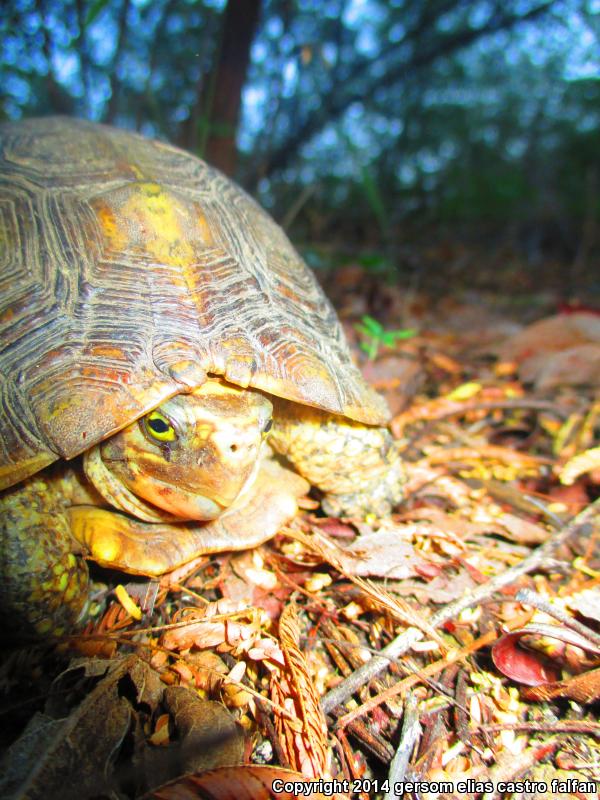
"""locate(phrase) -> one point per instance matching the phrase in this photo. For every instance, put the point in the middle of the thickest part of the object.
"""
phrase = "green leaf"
(374, 262)
(370, 348)
(96, 8)
(405, 333)
(363, 330)
(374, 327)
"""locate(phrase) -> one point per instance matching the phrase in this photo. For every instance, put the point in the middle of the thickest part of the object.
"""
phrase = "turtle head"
(191, 457)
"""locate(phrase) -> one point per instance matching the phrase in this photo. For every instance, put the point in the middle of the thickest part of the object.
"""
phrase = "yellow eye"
(159, 427)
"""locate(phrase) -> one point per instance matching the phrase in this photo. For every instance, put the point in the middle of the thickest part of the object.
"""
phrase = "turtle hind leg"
(43, 584)
(357, 466)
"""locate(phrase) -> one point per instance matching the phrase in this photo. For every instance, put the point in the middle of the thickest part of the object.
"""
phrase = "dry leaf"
(201, 734)
(524, 666)
(583, 688)
(564, 349)
(227, 625)
(241, 783)
(577, 366)
(586, 603)
(304, 736)
(209, 735)
(579, 465)
(73, 757)
(387, 552)
(522, 530)
(552, 334)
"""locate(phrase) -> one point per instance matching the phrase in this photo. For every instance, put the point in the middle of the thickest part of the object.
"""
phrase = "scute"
(129, 270)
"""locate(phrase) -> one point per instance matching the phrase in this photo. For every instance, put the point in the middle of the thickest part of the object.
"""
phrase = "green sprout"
(376, 335)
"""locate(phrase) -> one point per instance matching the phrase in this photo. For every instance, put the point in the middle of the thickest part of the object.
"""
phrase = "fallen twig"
(411, 731)
(408, 638)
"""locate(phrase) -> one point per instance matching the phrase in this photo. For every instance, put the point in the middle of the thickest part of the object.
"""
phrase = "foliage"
(443, 110)
(376, 336)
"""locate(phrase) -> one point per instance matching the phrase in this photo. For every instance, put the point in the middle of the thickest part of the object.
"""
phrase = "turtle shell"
(129, 270)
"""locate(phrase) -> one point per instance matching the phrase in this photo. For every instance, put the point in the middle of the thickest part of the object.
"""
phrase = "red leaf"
(524, 666)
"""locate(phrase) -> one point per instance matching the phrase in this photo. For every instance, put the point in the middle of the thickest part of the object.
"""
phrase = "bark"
(224, 92)
(115, 83)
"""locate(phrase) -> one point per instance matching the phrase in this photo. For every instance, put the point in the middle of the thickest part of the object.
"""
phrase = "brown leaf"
(198, 734)
(387, 552)
(564, 349)
(73, 757)
(252, 582)
(240, 783)
(224, 623)
(210, 736)
(400, 610)
(551, 334)
(206, 737)
(576, 366)
(304, 737)
(397, 378)
(583, 688)
(335, 528)
(523, 530)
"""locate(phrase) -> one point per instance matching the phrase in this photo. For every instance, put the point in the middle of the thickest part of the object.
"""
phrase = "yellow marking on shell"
(11, 473)
(7, 316)
(136, 171)
(161, 215)
(186, 371)
(106, 351)
(114, 232)
(146, 216)
(206, 234)
(215, 386)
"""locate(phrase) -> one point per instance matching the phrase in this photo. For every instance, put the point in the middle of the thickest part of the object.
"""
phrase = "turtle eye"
(267, 427)
(159, 427)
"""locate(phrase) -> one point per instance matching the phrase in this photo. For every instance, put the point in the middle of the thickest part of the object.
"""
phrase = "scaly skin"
(357, 466)
(142, 504)
(43, 581)
(51, 521)
(193, 476)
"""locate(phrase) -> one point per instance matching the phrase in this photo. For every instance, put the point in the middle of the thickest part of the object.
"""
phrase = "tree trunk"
(227, 80)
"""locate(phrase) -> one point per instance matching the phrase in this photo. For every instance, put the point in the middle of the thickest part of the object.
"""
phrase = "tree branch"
(335, 103)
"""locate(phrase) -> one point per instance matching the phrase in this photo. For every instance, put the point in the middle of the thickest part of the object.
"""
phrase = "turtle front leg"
(357, 466)
(43, 583)
(121, 542)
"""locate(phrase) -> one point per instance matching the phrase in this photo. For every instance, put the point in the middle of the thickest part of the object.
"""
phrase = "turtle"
(173, 378)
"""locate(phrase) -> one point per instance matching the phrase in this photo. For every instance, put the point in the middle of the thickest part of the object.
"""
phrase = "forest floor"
(454, 645)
